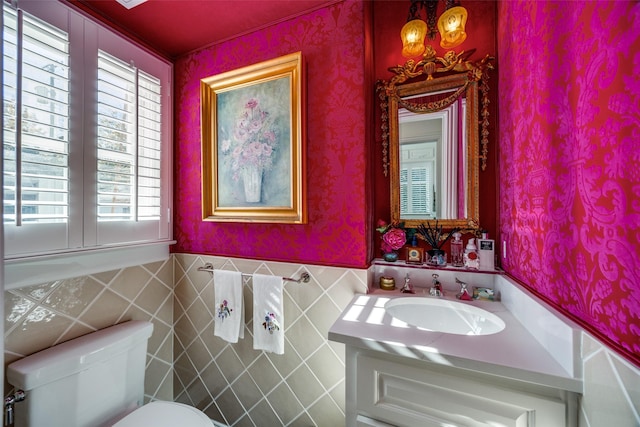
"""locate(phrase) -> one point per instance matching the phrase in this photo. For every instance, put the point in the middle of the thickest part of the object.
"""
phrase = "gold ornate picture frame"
(253, 143)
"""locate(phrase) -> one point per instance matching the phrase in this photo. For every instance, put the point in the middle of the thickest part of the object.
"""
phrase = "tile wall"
(233, 383)
(611, 388)
(239, 386)
(37, 317)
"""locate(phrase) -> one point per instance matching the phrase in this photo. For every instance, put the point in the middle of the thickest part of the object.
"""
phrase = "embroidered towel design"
(223, 310)
(271, 322)
(268, 313)
(229, 320)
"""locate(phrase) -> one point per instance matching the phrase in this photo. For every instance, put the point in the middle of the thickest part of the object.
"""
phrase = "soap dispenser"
(457, 251)
(471, 260)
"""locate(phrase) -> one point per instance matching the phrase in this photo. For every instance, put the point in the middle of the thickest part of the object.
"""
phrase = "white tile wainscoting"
(241, 386)
(173, 295)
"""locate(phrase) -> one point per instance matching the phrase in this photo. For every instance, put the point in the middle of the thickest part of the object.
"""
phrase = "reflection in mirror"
(432, 163)
(431, 134)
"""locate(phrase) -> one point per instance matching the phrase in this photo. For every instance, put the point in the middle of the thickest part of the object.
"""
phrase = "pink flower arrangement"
(393, 236)
(253, 140)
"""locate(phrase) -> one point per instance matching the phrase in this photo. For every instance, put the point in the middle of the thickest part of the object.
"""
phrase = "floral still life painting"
(253, 143)
(253, 164)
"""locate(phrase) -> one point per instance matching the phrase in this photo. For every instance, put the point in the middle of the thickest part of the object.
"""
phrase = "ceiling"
(176, 27)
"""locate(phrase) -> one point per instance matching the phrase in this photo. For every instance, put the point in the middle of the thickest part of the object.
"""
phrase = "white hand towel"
(268, 314)
(229, 308)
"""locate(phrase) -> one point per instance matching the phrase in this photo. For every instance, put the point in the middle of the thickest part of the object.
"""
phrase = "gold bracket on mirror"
(430, 64)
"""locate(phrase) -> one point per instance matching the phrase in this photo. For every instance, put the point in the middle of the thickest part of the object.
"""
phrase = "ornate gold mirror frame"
(463, 79)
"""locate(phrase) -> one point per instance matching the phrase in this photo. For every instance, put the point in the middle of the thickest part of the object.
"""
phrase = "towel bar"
(304, 277)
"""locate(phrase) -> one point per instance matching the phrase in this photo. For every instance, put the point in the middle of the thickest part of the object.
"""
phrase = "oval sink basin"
(449, 317)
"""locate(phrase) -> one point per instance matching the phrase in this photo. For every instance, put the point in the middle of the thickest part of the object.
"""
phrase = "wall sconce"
(451, 26)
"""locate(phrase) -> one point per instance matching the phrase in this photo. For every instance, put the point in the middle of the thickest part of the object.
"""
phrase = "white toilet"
(95, 380)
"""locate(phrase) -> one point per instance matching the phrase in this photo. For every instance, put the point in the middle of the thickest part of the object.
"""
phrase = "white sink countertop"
(511, 353)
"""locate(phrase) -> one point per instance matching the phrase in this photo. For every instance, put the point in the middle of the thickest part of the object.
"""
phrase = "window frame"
(92, 246)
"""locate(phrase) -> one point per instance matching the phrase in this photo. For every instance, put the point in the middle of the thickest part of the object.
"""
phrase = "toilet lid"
(165, 414)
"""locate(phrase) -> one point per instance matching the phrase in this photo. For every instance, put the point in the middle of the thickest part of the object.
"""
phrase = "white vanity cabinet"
(398, 374)
(385, 390)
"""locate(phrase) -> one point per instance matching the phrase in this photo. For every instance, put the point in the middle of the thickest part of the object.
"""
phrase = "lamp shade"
(412, 35)
(451, 26)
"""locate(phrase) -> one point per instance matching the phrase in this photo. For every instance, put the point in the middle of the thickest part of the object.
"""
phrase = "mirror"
(433, 139)
(431, 163)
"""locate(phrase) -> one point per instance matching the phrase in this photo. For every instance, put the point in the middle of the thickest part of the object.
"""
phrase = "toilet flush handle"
(18, 396)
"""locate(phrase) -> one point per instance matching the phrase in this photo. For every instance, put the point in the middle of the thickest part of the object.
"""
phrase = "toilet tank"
(84, 382)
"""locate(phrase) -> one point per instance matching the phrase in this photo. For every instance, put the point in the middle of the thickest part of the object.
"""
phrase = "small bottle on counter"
(471, 260)
(486, 252)
(457, 251)
(415, 254)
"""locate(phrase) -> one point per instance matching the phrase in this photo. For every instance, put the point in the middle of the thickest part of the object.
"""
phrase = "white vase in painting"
(252, 180)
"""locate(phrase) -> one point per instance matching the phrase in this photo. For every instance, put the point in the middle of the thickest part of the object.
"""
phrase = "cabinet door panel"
(410, 396)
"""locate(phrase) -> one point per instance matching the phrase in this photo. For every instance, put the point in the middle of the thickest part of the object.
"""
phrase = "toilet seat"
(165, 414)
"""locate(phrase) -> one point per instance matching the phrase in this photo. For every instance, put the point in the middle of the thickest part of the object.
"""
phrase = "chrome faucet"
(436, 289)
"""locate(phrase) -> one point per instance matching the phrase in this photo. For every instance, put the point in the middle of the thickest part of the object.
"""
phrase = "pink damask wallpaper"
(569, 105)
(333, 46)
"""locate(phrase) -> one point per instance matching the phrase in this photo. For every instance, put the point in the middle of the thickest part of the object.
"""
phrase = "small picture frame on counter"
(415, 255)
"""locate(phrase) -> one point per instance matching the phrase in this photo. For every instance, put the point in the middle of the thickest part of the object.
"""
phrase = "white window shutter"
(417, 182)
(86, 142)
(129, 161)
(36, 133)
(117, 120)
(149, 147)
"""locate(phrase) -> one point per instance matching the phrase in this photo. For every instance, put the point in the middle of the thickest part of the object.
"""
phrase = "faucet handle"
(464, 293)
(407, 286)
